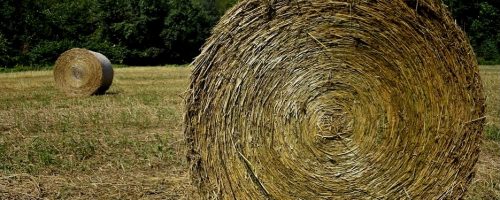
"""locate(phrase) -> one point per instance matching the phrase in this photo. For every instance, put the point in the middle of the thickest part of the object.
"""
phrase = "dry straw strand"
(81, 72)
(335, 99)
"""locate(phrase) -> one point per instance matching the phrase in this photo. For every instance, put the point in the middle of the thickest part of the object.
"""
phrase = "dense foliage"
(481, 20)
(134, 32)
(152, 32)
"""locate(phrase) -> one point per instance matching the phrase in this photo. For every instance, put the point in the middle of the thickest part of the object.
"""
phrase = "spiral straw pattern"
(329, 99)
(80, 72)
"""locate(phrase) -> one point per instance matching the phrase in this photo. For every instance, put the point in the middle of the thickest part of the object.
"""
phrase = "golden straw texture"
(329, 99)
(80, 72)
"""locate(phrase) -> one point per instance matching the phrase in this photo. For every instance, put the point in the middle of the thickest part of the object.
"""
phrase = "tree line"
(132, 32)
(154, 32)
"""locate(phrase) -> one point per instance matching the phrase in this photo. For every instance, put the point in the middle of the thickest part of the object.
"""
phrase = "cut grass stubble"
(129, 144)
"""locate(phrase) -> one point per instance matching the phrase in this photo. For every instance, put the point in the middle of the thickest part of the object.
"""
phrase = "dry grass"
(486, 185)
(128, 144)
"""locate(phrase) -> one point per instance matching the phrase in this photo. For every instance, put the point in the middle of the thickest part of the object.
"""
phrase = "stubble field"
(128, 144)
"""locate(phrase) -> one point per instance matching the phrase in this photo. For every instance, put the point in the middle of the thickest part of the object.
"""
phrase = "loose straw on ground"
(80, 72)
(329, 99)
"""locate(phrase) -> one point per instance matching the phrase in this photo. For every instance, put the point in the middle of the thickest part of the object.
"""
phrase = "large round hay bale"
(329, 99)
(81, 72)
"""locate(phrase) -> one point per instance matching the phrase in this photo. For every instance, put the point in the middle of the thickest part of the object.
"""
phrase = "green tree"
(136, 26)
(66, 23)
(486, 31)
(187, 26)
(151, 32)
(223, 5)
(479, 19)
(3, 51)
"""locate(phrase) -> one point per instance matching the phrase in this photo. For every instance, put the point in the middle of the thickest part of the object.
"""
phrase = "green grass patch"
(42, 154)
(492, 132)
(24, 69)
(4, 158)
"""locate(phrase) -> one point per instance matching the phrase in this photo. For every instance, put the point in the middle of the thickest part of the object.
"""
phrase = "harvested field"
(128, 144)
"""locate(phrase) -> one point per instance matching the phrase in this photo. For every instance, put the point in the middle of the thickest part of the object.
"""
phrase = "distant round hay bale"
(81, 72)
(326, 99)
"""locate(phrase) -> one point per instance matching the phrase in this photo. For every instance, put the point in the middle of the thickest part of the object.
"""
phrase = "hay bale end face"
(81, 72)
(326, 99)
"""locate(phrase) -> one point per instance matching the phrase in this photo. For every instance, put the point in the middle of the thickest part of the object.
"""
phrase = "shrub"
(47, 52)
(115, 53)
(488, 52)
